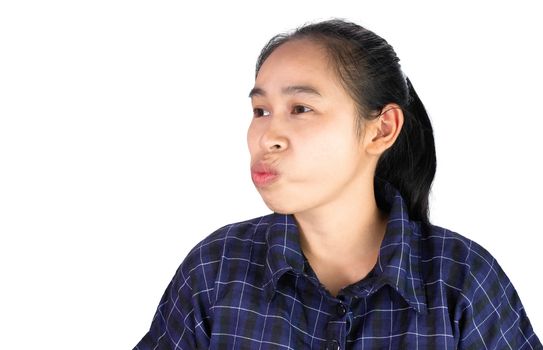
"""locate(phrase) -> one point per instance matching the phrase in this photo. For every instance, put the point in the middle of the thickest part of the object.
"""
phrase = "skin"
(326, 172)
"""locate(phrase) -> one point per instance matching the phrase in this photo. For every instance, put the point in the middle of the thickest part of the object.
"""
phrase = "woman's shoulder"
(462, 276)
(231, 241)
(459, 263)
(453, 246)
(220, 258)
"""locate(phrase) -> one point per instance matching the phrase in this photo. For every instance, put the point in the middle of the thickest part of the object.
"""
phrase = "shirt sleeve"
(172, 326)
(174, 323)
(184, 317)
(493, 316)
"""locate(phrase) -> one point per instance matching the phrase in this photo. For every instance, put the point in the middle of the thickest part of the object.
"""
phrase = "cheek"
(252, 138)
(327, 157)
(321, 171)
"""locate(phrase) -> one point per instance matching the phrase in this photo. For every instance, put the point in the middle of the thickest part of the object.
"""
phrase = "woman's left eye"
(301, 109)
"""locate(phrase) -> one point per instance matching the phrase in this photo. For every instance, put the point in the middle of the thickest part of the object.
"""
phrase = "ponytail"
(410, 164)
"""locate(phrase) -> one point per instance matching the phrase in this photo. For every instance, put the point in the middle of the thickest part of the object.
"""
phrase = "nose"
(273, 138)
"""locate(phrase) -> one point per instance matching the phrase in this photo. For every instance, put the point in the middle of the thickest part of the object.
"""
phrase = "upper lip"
(260, 167)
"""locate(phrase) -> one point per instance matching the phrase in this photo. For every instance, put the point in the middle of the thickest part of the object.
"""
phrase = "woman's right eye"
(260, 112)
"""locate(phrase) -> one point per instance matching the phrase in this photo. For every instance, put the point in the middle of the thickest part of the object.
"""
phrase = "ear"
(383, 131)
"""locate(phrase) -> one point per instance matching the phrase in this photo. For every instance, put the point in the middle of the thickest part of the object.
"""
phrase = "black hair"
(368, 68)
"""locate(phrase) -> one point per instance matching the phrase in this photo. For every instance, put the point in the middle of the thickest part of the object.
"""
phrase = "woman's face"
(303, 128)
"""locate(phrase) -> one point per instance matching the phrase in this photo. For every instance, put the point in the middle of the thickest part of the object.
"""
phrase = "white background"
(123, 144)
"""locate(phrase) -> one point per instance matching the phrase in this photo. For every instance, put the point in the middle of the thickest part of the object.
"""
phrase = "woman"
(342, 152)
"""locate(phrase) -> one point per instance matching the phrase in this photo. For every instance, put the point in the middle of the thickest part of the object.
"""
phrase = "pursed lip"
(263, 174)
(263, 168)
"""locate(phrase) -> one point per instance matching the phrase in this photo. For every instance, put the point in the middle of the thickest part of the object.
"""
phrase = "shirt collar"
(398, 263)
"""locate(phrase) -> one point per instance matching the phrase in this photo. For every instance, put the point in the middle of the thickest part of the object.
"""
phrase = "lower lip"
(263, 179)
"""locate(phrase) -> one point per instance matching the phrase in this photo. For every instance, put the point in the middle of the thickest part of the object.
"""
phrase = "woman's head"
(364, 73)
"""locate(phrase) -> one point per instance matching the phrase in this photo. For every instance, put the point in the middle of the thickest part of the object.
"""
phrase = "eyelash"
(255, 110)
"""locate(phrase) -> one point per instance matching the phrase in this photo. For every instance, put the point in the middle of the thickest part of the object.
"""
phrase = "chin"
(285, 212)
(280, 208)
(283, 202)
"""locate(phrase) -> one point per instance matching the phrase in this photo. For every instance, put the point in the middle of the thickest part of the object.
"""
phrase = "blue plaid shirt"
(248, 285)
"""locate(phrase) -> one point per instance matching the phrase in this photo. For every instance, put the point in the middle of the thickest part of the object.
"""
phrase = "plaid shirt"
(249, 286)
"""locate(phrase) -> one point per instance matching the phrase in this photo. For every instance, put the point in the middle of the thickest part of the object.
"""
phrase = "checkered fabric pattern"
(249, 286)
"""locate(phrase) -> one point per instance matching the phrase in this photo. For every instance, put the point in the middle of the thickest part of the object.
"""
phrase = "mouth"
(262, 179)
(263, 174)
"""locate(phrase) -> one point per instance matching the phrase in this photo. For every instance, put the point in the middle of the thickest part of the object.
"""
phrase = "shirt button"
(332, 345)
(341, 310)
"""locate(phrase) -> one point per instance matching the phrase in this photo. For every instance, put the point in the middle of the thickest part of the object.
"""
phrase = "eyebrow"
(288, 90)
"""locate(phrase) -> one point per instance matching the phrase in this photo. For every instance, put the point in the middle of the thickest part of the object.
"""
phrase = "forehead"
(297, 61)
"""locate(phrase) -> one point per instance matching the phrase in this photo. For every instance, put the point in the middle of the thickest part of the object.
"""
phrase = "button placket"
(341, 310)
(336, 331)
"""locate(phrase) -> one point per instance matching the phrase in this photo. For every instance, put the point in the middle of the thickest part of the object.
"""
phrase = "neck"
(346, 230)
